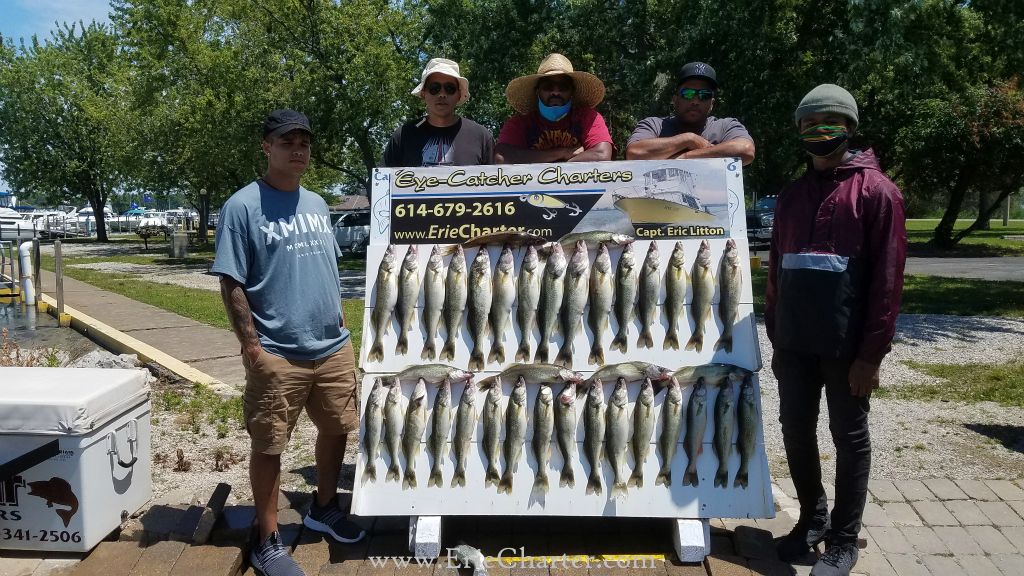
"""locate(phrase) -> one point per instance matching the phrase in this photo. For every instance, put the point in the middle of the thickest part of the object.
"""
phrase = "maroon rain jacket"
(835, 272)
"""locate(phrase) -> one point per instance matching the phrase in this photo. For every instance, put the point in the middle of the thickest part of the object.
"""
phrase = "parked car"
(760, 219)
(352, 231)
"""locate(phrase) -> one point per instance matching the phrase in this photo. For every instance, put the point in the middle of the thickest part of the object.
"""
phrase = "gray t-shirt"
(280, 246)
(716, 130)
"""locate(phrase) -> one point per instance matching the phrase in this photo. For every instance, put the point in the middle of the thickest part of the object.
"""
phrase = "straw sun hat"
(588, 93)
(448, 68)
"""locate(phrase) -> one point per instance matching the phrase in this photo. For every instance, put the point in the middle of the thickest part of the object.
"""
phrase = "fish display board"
(512, 270)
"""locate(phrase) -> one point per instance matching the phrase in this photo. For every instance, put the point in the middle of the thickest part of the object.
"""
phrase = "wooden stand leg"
(425, 536)
(692, 539)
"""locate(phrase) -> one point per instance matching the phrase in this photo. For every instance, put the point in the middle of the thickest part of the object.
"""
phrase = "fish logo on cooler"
(56, 491)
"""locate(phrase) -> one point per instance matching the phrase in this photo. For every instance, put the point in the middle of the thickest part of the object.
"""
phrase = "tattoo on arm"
(239, 313)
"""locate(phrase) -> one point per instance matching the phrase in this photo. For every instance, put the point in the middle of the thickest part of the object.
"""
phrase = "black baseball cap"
(283, 121)
(697, 70)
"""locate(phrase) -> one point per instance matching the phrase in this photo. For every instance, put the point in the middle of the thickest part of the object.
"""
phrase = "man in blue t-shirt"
(277, 258)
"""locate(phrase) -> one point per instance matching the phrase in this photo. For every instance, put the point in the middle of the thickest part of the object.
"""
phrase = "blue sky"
(23, 18)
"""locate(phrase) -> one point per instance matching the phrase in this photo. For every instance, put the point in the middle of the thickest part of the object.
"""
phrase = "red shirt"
(581, 127)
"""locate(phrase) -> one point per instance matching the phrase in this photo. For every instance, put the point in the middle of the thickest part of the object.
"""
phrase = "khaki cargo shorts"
(276, 390)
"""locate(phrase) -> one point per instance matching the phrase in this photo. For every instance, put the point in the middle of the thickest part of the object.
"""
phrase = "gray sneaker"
(838, 560)
(329, 519)
(271, 558)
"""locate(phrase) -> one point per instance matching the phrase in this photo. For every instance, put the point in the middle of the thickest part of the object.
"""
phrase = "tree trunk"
(984, 215)
(984, 221)
(942, 238)
(97, 203)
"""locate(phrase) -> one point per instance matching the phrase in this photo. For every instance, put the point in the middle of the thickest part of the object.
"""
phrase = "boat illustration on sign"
(667, 197)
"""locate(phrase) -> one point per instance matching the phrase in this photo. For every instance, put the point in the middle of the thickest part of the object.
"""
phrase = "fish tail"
(505, 484)
(619, 342)
(435, 478)
(741, 480)
(618, 489)
(370, 472)
(722, 477)
(596, 354)
(402, 347)
(696, 342)
(671, 341)
(429, 351)
(393, 473)
(636, 478)
(664, 477)
(491, 477)
(476, 359)
(523, 354)
(725, 342)
(376, 352)
(540, 483)
(448, 351)
(542, 352)
(690, 477)
(645, 340)
(567, 478)
(459, 478)
(409, 481)
(594, 485)
(497, 353)
(564, 357)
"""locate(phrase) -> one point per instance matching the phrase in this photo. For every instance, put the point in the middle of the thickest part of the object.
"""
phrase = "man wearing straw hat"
(442, 137)
(556, 119)
(691, 132)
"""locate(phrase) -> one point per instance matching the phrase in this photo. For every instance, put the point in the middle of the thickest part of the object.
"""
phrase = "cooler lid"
(66, 400)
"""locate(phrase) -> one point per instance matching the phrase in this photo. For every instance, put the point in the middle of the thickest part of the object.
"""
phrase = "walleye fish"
(671, 422)
(465, 425)
(565, 424)
(440, 427)
(530, 274)
(703, 291)
(675, 296)
(625, 297)
(551, 289)
(415, 424)
(713, 374)
(725, 422)
(593, 434)
(543, 426)
(647, 301)
(433, 302)
(480, 291)
(492, 432)
(696, 423)
(540, 373)
(507, 238)
(408, 293)
(373, 417)
(503, 294)
(617, 436)
(602, 291)
(384, 303)
(643, 427)
(746, 415)
(596, 237)
(434, 373)
(632, 372)
(455, 296)
(515, 433)
(730, 280)
(577, 278)
(393, 430)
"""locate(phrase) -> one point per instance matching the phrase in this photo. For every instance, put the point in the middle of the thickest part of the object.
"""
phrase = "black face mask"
(824, 140)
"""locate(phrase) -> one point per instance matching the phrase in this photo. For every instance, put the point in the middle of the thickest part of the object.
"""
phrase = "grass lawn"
(979, 243)
(1001, 383)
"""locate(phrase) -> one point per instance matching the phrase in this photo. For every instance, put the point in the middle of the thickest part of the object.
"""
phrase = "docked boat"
(15, 227)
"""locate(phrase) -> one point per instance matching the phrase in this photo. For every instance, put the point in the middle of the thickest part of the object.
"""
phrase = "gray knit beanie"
(828, 98)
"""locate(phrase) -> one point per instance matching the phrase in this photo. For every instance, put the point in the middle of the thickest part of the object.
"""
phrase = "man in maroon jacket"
(834, 285)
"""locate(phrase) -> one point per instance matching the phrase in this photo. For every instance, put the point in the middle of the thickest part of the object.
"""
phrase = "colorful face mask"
(824, 139)
(553, 113)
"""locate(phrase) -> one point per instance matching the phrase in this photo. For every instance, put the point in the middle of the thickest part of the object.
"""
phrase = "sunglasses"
(435, 88)
(690, 93)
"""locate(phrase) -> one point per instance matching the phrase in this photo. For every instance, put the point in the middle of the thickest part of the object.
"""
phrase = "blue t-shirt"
(280, 246)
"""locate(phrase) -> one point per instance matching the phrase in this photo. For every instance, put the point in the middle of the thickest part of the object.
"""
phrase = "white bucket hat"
(448, 68)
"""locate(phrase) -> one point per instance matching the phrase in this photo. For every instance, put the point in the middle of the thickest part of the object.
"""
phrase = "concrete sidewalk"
(214, 351)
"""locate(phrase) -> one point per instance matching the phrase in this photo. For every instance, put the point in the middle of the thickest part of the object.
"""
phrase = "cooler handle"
(133, 436)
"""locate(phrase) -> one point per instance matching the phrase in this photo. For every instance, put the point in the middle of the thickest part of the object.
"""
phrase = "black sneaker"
(804, 536)
(329, 519)
(837, 560)
(271, 558)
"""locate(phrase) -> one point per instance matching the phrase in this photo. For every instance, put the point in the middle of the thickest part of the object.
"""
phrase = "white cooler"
(69, 495)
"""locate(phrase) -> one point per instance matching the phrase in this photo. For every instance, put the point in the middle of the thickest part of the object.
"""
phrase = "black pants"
(801, 377)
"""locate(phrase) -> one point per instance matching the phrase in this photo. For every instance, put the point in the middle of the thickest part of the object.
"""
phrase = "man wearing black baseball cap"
(691, 132)
(278, 263)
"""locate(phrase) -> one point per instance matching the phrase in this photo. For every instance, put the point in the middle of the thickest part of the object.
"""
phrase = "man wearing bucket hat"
(691, 132)
(556, 120)
(834, 286)
(278, 263)
(442, 137)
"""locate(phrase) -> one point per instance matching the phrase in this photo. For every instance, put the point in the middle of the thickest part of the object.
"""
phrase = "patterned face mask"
(824, 139)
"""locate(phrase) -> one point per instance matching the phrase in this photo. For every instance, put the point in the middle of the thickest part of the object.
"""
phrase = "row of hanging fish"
(612, 429)
(553, 290)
